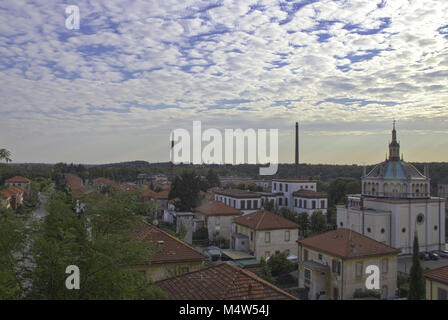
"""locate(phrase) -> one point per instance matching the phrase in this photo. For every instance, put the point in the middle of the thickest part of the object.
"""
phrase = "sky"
(135, 70)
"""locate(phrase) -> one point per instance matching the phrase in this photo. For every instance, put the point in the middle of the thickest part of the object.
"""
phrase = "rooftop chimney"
(297, 150)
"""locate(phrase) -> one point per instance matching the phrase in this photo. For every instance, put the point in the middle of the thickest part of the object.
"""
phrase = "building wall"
(288, 188)
(158, 271)
(237, 203)
(221, 224)
(432, 289)
(307, 205)
(277, 242)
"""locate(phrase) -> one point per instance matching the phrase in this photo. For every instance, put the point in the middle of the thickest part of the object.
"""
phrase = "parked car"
(443, 253)
(425, 256)
(433, 256)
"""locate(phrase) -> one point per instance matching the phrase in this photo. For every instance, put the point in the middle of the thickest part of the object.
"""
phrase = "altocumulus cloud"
(113, 90)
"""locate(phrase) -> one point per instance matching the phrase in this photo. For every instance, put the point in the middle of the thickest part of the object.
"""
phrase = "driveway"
(41, 212)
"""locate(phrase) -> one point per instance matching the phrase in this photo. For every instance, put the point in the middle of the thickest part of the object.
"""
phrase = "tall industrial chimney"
(297, 149)
(172, 159)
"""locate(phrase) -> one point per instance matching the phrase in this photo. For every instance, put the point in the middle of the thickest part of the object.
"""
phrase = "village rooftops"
(265, 220)
(347, 244)
(17, 179)
(438, 274)
(105, 181)
(171, 249)
(237, 193)
(150, 194)
(224, 281)
(306, 193)
(217, 208)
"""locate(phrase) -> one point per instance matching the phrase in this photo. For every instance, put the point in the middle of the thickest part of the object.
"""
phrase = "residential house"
(285, 188)
(217, 218)
(19, 181)
(246, 201)
(221, 282)
(333, 265)
(263, 233)
(172, 256)
(161, 198)
(437, 283)
(104, 184)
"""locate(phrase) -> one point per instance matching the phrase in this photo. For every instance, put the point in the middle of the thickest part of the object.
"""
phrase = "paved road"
(41, 212)
(405, 263)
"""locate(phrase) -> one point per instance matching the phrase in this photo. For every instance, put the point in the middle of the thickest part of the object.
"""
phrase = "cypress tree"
(416, 279)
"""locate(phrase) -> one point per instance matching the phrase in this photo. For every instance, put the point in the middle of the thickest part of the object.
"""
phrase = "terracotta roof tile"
(347, 244)
(237, 193)
(217, 208)
(265, 220)
(173, 250)
(438, 274)
(17, 179)
(221, 282)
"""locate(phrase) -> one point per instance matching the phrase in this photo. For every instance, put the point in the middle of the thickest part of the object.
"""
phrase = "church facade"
(394, 204)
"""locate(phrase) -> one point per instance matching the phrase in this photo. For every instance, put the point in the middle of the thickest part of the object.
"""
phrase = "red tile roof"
(150, 194)
(347, 244)
(17, 179)
(75, 184)
(217, 208)
(305, 193)
(221, 282)
(438, 274)
(237, 193)
(265, 220)
(11, 191)
(174, 249)
(293, 180)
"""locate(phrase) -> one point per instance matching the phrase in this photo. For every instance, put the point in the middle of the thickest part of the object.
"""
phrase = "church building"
(394, 204)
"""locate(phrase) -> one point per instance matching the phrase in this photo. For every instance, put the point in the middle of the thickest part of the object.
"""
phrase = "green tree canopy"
(186, 187)
(416, 279)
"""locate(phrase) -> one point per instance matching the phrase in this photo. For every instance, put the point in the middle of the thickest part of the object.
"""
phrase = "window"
(251, 236)
(420, 218)
(287, 235)
(336, 266)
(217, 221)
(275, 186)
(304, 204)
(442, 294)
(319, 256)
(385, 265)
(358, 268)
(322, 204)
(307, 274)
(286, 187)
(300, 203)
(281, 187)
(435, 228)
(267, 237)
(305, 255)
(368, 230)
(403, 230)
(255, 204)
(243, 204)
(313, 204)
(341, 224)
(280, 201)
(234, 203)
(277, 252)
(185, 269)
(286, 201)
(382, 230)
(295, 202)
(249, 204)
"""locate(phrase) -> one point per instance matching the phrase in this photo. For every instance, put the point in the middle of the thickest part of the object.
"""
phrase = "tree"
(100, 243)
(318, 222)
(266, 272)
(12, 245)
(416, 279)
(212, 179)
(304, 223)
(279, 264)
(5, 155)
(186, 187)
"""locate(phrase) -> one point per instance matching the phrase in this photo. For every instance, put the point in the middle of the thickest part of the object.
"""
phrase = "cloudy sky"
(114, 89)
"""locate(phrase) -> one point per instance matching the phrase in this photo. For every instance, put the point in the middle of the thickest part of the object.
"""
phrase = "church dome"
(396, 170)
